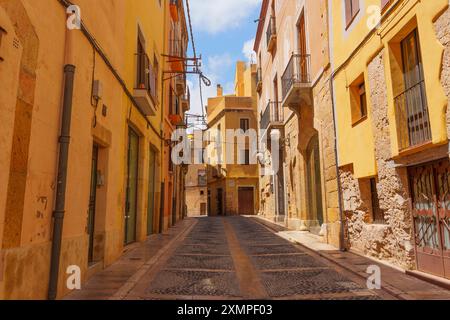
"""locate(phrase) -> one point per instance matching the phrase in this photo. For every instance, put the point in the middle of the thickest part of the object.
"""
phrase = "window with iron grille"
(411, 107)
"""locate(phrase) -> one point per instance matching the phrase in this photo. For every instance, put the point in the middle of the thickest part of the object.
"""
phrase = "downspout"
(342, 246)
(64, 141)
(162, 123)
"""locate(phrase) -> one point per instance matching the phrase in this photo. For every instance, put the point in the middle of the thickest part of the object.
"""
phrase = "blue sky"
(224, 32)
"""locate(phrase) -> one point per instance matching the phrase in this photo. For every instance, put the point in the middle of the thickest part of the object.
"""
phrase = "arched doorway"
(314, 181)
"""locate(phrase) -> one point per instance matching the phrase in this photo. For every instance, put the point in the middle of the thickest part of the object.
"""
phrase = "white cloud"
(214, 16)
(248, 52)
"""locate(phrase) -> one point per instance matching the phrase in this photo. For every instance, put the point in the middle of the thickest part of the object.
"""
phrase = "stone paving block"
(198, 283)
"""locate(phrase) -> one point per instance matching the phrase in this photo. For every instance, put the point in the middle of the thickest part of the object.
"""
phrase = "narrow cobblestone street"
(229, 258)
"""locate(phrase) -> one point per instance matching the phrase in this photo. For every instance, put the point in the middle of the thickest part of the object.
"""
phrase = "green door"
(151, 193)
(132, 187)
(92, 202)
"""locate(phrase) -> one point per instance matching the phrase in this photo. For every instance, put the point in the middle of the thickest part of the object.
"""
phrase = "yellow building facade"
(390, 82)
(82, 112)
(233, 187)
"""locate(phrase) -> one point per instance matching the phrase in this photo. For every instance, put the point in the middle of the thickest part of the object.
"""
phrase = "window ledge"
(360, 120)
(414, 149)
(352, 20)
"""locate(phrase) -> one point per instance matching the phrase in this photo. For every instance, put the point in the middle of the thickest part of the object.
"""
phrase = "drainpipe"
(64, 141)
(342, 246)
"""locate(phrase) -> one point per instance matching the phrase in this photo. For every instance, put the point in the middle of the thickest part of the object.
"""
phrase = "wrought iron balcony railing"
(272, 116)
(259, 79)
(413, 123)
(298, 71)
(271, 33)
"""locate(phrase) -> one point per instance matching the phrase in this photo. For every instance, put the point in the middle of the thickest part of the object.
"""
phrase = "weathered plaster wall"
(442, 27)
(392, 241)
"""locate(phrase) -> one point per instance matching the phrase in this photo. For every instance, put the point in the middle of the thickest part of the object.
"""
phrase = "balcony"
(296, 82)
(273, 117)
(174, 10)
(180, 84)
(145, 92)
(186, 100)
(259, 80)
(271, 34)
(176, 57)
(413, 123)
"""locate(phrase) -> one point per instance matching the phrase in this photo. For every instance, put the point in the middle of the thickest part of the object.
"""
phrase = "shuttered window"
(351, 10)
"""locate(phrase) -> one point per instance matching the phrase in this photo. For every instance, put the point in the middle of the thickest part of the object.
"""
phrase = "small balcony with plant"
(145, 92)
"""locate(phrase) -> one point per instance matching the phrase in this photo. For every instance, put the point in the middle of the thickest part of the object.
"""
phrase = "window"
(377, 213)
(358, 100)
(245, 125)
(2, 31)
(244, 157)
(202, 177)
(351, 10)
(156, 72)
(362, 100)
(202, 193)
(142, 62)
(171, 165)
(411, 107)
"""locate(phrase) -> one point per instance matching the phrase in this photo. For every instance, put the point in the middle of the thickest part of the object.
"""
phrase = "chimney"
(219, 90)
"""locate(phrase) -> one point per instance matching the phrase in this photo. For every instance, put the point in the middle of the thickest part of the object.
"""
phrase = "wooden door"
(246, 201)
(132, 187)
(92, 202)
(151, 192)
(203, 209)
(302, 52)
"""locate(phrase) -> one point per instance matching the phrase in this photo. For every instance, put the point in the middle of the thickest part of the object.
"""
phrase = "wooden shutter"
(355, 7)
(384, 3)
(348, 12)
(351, 9)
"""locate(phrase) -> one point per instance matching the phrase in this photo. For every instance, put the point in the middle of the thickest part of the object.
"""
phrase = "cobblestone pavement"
(238, 258)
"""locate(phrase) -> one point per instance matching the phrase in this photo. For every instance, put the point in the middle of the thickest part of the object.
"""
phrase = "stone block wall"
(393, 240)
(442, 28)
